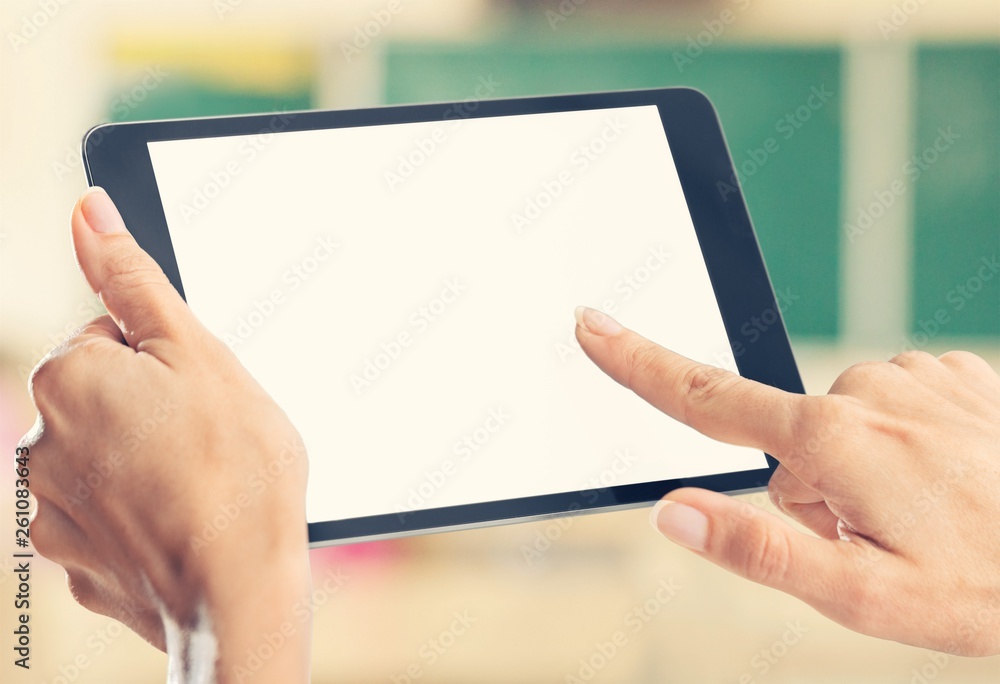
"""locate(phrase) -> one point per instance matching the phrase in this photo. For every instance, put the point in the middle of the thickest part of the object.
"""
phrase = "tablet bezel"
(116, 157)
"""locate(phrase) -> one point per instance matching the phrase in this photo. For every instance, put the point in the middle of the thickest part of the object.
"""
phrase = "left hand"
(168, 483)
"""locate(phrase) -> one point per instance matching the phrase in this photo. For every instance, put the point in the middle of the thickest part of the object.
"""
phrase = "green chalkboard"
(955, 170)
(790, 151)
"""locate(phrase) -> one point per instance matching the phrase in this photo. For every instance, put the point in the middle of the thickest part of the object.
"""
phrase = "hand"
(168, 483)
(897, 470)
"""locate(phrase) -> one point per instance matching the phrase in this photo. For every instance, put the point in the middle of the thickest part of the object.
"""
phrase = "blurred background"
(878, 214)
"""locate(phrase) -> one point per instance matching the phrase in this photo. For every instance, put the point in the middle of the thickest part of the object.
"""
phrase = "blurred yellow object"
(238, 60)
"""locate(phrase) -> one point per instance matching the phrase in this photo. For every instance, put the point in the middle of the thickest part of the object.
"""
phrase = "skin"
(150, 430)
(168, 426)
(896, 470)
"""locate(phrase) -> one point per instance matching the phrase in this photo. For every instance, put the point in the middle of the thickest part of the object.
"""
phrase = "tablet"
(402, 281)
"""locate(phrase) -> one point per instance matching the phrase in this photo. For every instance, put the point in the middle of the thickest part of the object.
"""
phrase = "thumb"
(761, 547)
(131, 285)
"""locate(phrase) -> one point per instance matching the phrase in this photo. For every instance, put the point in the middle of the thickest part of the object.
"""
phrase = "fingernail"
(100, 212)
(596, 322)
(680, 523)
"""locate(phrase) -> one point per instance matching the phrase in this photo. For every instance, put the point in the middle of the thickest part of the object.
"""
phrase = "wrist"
(263, 623)
(250, 615)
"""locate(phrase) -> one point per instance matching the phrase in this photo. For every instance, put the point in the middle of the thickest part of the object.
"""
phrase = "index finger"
(715, 402)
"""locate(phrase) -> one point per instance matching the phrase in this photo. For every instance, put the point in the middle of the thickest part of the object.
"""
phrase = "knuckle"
(83, 590)
(704, 384)
(49, 379)
(33, 440)
(707, 380)
(124, 266)
(766, 557)
(44, 379)
(817, 423)
(124, 269)
(911, 358)
(98, 322)
(961, 359)
(84, 353)
(817, 411)
(862, 373)
(640, 364)
(42, 534)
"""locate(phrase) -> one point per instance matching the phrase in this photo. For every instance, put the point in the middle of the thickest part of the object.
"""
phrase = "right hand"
(897, 470)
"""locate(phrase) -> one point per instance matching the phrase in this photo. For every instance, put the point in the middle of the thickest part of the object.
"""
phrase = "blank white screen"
(349, 233)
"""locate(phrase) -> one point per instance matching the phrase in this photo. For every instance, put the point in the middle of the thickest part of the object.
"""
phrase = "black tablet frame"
(116, 157)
